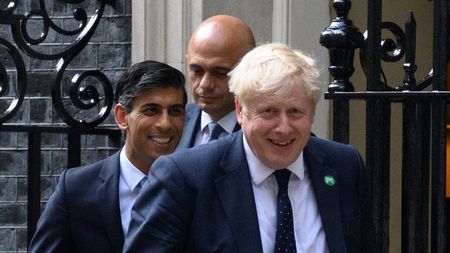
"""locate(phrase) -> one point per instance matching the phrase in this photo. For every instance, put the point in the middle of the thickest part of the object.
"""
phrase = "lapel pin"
(329, 180)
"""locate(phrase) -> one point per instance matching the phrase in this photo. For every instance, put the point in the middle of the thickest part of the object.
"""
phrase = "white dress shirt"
(228, 123)
(130, 177)
(308, 228)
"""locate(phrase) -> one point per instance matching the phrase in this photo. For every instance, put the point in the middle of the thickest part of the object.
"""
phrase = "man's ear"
(239, 112)
(120, 115)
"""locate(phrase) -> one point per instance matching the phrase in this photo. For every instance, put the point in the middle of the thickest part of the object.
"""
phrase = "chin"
(282, 164)
(277, 165)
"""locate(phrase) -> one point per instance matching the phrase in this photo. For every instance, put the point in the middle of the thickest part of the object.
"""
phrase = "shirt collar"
(259, 172)
(227, 122)
(130, 174)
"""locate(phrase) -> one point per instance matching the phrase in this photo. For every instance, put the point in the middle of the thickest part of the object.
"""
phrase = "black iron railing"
(424, 119)
(83, 103)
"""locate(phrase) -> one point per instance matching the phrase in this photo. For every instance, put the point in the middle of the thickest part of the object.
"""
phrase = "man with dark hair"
(90, 209)
(215, 47)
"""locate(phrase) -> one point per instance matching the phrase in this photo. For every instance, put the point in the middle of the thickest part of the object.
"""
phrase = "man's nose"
(164, 121)
(206, 82)
(284, 123)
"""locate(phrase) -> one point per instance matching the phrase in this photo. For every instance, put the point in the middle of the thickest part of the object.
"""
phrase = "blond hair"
(274, 68)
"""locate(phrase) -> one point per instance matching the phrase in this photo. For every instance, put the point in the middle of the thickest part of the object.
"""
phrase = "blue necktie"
(284, 239)
(214, 131)
(141, 183)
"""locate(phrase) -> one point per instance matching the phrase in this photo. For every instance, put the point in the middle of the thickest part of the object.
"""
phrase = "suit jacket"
(192, 126)
(83, 214)
(201, 200)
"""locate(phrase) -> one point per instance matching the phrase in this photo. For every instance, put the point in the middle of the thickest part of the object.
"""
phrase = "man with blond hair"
(271, 187)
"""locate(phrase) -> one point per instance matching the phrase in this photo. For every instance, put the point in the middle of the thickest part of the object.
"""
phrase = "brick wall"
(110, 51)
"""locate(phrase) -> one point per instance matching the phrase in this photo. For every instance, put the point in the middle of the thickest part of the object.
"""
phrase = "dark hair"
(144, 76)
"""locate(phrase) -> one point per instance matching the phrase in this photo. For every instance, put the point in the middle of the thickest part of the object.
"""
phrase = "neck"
(217, 116)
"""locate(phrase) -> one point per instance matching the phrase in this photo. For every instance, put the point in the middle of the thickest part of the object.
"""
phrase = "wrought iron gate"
(423, 221)
(83, 103)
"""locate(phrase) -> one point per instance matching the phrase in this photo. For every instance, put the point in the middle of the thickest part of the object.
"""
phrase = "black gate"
(82, 102)
(424, 106)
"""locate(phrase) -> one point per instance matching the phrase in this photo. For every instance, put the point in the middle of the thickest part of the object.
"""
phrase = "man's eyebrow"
(222, 69)
(178, 105)
(151, 104)
(215, 68)
(194, 65)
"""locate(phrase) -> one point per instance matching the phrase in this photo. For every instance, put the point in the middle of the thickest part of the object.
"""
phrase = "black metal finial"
(410, 67)
(342, 7)
(341, 39)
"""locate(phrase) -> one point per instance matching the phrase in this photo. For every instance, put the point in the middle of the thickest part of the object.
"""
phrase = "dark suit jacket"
(201, 200)
(83, 214)
(192, 126)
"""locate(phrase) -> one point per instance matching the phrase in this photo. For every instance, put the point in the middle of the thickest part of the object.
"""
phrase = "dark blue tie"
(284, 239)
(214, 131)
(141, 183)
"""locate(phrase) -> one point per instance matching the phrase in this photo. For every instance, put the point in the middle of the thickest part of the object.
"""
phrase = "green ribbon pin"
(329, 180)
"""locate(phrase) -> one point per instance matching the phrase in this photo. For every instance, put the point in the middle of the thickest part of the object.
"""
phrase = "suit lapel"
(193, 114)
(327, 196)
(108, 201)
(236, 195)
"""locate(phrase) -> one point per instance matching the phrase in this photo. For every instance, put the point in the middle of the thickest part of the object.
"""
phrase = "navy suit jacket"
(192, 126)
(201, 200)
(83, 214)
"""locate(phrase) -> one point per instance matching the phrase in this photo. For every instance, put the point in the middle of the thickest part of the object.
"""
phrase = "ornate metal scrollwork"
(341, 39)
(85, 98)
(393, 51)
(76, 106)
(390, 50)
(11, 102)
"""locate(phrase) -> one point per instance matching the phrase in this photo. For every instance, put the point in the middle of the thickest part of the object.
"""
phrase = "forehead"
(209, 53)
(207, 60)
(292, 97)
(160, 95)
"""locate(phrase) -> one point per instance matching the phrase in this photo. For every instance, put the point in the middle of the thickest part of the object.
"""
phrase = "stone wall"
(110, 51)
